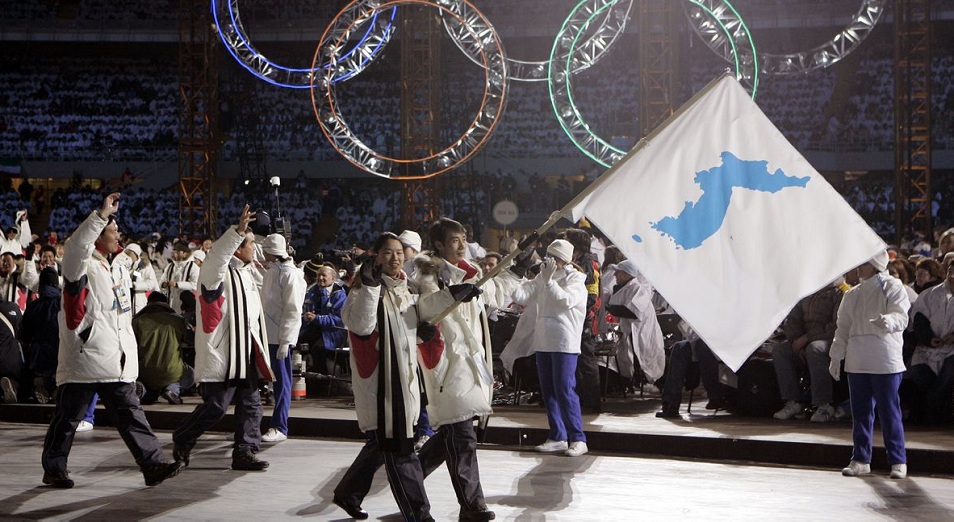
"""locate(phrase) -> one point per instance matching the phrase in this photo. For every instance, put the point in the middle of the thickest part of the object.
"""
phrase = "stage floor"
(518, 485)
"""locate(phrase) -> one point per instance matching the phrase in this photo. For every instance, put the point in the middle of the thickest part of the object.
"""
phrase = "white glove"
(282, 351)
(835, 369)
(547, 270)
(881, 322)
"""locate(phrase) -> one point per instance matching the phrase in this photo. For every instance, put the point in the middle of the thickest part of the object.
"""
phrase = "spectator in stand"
(40, 334)
(871, 318)
(932, 364)
(632, 304)
(179, 276)
(683, 353)
(159, 333)
(322, 327)
(11, 354)
(928, 273)
(809, 329)
(17, 277)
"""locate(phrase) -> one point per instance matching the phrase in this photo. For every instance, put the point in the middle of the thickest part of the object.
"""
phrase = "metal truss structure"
(421, 85)
(912, 109)
(198, 119)
(657, 63)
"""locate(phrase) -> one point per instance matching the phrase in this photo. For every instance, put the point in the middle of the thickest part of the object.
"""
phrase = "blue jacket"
(327, 329)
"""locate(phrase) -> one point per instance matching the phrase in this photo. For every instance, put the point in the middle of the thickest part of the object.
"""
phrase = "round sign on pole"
(505, 212)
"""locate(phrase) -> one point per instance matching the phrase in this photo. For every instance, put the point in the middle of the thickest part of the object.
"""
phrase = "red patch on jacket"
(74, 302)
(211, 313)
(470, 271)
(432, 350)
(365, 352)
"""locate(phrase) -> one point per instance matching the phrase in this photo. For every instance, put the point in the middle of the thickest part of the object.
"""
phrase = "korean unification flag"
(727, 220)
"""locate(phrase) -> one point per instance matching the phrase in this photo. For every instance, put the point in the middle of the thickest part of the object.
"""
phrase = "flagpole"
(557, 215)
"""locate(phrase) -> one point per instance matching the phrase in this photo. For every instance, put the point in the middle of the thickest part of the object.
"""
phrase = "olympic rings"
(843, 43)
(480, 38)
(592, 50)
(240, 47)
(562, 65)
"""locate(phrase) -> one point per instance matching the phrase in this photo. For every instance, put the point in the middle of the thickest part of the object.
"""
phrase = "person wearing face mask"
(871, 319)
(558, 298)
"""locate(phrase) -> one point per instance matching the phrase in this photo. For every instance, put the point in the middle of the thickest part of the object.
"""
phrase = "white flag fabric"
(727, 220)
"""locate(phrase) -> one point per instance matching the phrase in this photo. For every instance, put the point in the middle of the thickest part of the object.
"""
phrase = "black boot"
(156, 473)
(58, 479)
(247, 461)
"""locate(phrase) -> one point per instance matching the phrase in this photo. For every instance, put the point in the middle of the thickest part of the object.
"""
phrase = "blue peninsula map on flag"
(700, 220)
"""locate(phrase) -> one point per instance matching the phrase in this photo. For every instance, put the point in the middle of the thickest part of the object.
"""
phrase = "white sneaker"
(824, 413)
(552, 446)
(790, 410)
(856, 468)
(576, 449)
(420, 442)
(84, 426)
(273, 435)
(899, 471)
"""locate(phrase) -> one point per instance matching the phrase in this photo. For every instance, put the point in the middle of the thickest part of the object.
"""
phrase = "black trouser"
(456, 444)
(122, 406)
(588, 375)
(404, 476)
(217, 396)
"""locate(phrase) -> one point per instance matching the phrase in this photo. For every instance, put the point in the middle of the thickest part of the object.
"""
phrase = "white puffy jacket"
(558, 307)
(459, 377)
(97, 343)
(865, 346)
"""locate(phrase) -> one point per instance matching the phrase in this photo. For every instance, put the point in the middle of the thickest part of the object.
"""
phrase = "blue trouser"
(91, 410)
(869, 391)
(423, 426)
(557, 372)
(122, 406)
(282, 389)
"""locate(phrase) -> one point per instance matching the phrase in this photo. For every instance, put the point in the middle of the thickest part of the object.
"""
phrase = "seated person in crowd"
(932, 364)
(321, 324)
(682, 354)
(159, 332)
(809, 330)
(632, 304)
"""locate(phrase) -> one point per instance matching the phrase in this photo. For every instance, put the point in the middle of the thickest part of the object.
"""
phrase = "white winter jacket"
(230, 334)
(283, 293)
(459, 377)
(865, 346)
(97, 343)
(559, 310)
(397, 335)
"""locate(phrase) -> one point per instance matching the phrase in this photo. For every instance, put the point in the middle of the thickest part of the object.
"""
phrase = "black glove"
(370, 274)
(426, 331)
(464, 292)
(522, 262)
